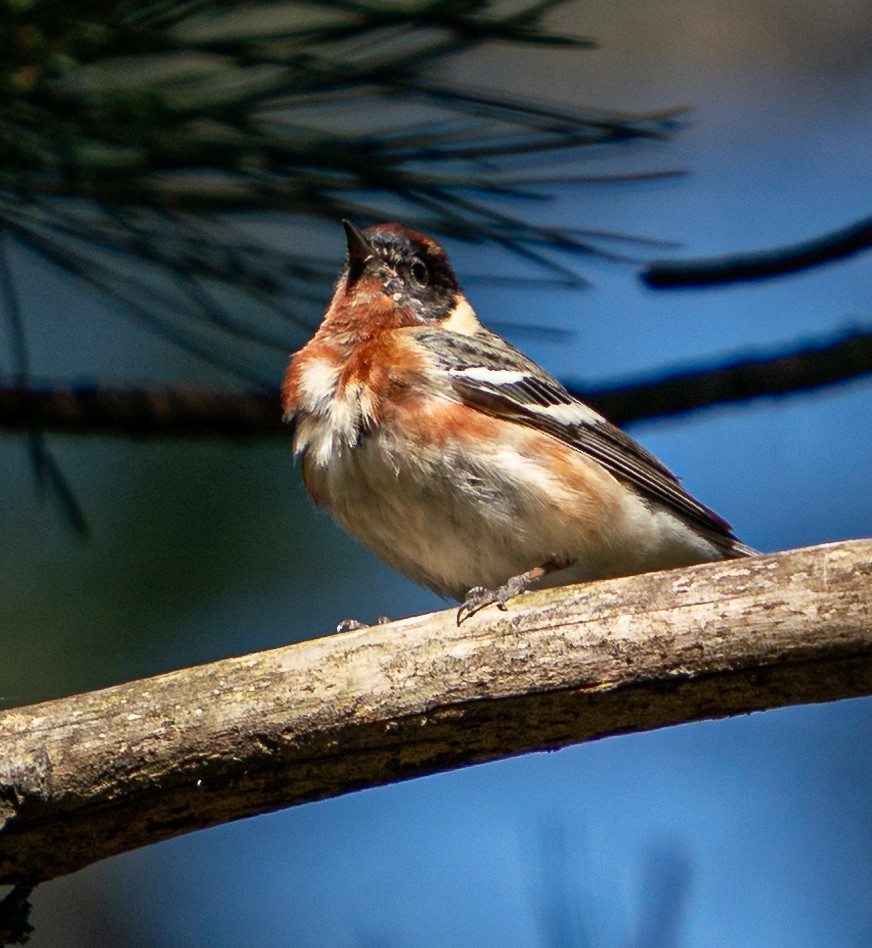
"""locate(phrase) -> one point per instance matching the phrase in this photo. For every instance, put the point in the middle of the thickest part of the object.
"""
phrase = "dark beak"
(359, 251)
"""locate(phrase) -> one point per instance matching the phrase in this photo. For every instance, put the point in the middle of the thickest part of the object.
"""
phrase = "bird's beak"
(359, 251)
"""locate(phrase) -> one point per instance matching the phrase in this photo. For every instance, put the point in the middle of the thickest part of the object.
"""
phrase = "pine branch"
(813, 364)
(142, 139)
(762, 265)
(142, 412)
(191, 412)
(86, 777)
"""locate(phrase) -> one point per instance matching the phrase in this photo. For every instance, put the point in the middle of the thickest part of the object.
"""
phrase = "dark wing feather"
(530, 396)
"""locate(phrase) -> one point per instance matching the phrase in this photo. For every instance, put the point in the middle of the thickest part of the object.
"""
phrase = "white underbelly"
(453, 521)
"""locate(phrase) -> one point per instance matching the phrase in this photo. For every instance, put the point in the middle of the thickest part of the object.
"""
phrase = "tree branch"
(192, 412)
(815, 363)
(89, 776)
(169, 411)
(762, 265)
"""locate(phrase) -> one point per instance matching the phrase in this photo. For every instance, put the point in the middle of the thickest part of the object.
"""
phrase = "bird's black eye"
(418, 272)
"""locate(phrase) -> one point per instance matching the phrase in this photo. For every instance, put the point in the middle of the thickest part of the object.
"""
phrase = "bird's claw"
(480, 596)
(352, 625)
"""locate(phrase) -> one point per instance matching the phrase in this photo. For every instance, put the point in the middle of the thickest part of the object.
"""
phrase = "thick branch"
(191, 412)
(85, 777)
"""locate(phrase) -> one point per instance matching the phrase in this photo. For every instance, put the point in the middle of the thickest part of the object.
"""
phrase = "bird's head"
(395, 277)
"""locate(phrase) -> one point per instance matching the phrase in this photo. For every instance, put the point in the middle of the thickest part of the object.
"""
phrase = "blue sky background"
(204, 550)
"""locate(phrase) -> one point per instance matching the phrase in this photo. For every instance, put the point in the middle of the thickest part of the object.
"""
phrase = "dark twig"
(814, 364)
(193, 412)
(736, 268)
(141, 412)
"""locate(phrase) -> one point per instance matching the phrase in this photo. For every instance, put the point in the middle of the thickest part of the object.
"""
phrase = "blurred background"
(751, 831)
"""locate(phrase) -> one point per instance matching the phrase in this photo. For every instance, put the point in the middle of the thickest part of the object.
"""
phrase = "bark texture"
(85, 777)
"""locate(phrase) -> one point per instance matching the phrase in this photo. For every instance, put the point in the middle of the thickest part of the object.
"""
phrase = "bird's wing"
(491, 376)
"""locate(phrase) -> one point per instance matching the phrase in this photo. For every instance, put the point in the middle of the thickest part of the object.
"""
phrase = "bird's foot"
(352, 625)
(480, 596)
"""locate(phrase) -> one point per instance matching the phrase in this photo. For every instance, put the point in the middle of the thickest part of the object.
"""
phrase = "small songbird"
(459, 461)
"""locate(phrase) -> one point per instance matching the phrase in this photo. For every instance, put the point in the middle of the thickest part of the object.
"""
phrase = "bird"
(458, 460)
